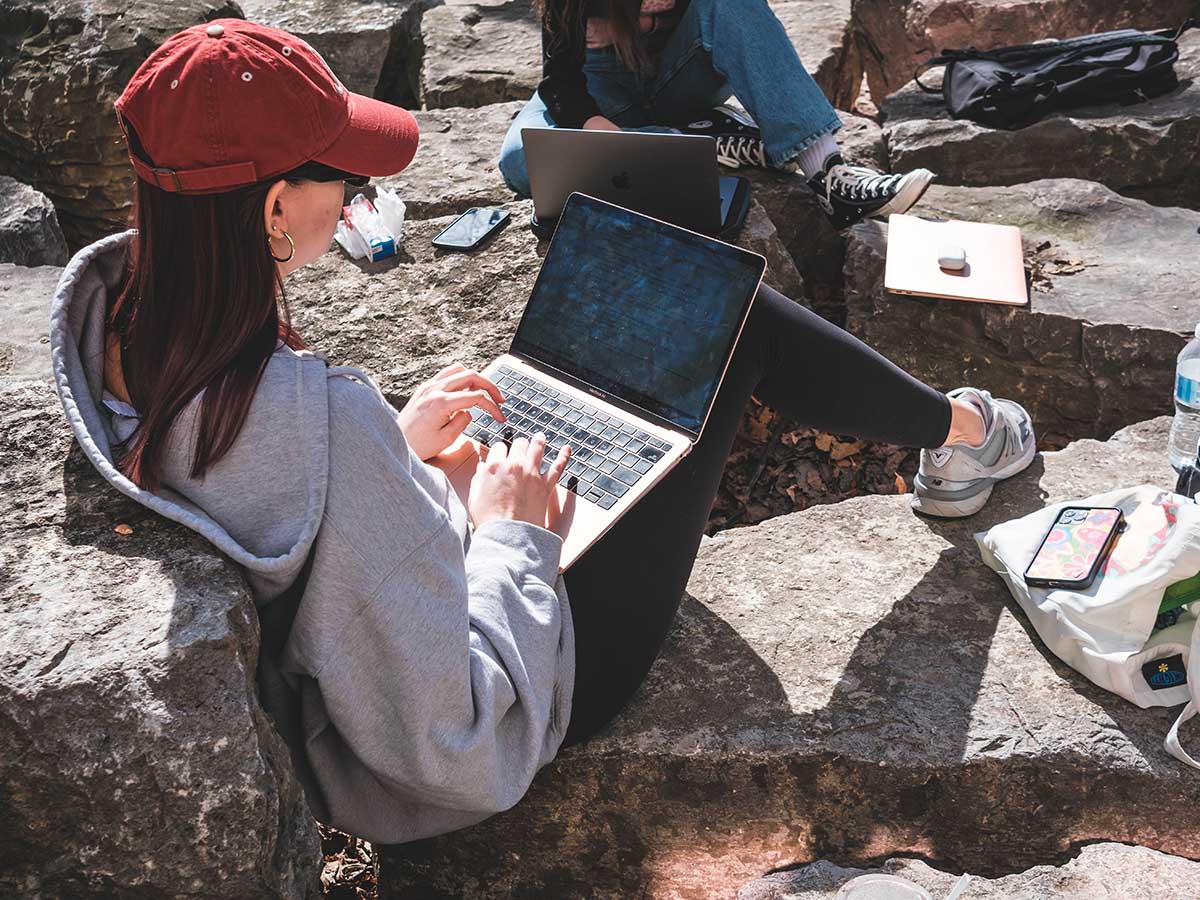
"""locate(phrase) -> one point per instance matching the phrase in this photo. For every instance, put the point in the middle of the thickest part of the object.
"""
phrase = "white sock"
(811, 159)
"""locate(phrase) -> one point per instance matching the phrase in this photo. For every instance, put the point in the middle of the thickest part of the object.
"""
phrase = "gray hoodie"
(421, 673)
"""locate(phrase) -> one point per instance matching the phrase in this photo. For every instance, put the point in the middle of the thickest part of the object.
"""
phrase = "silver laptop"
(672, 177)
(621, 349)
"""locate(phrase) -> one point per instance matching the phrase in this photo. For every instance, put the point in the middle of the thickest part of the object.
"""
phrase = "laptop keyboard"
(608, 455)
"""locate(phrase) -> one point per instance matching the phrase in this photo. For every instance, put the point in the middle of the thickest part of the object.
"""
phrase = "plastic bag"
(371, 230)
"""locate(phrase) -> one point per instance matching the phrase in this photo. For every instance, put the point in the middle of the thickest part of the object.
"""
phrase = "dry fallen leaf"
(123, 529)
(824, 442)
(901, 487)
(839, 451)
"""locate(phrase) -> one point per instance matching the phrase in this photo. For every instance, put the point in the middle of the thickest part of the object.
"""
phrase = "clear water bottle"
(1185, 427)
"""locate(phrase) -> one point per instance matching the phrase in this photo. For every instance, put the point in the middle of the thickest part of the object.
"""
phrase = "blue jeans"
(719, 48)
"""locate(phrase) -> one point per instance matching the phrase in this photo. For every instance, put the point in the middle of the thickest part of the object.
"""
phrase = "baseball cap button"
(215, 30)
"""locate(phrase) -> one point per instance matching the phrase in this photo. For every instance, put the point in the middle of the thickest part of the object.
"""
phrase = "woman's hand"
(599, 123)
(509, 484)
(439, 409)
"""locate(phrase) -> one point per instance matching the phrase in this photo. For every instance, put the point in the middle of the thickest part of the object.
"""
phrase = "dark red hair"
(201, 308)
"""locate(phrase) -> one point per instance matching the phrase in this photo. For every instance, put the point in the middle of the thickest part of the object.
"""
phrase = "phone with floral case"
(1075, 547)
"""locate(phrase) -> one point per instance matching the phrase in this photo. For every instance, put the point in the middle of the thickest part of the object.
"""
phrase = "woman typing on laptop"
(419, 654)
(664, 65)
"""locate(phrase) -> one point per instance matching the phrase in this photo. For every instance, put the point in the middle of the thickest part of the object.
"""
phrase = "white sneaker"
(956, 480)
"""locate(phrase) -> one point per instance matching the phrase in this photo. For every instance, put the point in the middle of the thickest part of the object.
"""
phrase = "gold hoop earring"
(287, 258)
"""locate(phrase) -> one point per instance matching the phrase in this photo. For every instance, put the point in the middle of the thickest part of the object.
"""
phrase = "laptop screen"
(642, 310)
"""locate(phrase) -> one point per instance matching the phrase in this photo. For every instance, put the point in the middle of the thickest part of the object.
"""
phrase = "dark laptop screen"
(642, 310)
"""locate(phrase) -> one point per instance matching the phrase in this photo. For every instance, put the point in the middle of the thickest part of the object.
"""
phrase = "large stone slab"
(1149, 150)
(355, 38)
(1098, 871)
(822, 34)
(816, 247)
(1113, 302)
(455, 166)
(25, 296)
(848, 682)
(135, 759)
(479, 53)
(62, 65)
(29, 231)
(895, 36)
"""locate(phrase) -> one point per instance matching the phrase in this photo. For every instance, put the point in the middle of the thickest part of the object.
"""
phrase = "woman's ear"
(274, 212)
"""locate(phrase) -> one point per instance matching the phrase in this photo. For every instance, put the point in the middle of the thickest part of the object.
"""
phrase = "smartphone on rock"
(471, 228)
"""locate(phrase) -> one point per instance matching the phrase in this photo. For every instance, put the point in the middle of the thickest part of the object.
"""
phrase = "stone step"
(25, 297)
(358, 40)
(479, 53)
(822, 34)
(848, 682)
(1149, 150)
(1098, 871)
(895, 36)
(61, 69)
(1113, 303)
(135, 757)
(29, 231)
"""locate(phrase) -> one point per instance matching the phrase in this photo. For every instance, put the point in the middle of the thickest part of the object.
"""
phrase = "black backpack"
(1012, 87)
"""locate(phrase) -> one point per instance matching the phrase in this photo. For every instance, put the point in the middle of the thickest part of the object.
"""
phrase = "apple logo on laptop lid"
(621, 181)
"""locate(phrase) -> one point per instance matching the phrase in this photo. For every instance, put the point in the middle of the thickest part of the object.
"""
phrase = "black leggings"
(625, 590)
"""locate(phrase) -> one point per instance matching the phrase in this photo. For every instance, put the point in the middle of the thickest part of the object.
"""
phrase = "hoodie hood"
(262, 503)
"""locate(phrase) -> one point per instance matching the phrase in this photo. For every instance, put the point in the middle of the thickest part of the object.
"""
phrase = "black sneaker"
(739, 142)
(850, 194)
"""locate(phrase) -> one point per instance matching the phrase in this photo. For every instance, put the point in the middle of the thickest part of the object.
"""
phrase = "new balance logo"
(940, 456)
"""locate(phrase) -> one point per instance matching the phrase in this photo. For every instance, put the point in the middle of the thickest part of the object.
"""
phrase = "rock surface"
(821, 32)
(848, 682)
(1148, 150)
(817, 249)
(455, 167)
(1098, 871)
(355, 38)
(479, 53)
(1113, 302)
(29, 231)
(895, 36)
(135, 757)
(25, 296)
(62, 65)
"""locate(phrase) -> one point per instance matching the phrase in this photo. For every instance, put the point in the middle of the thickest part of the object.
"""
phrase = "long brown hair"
(201, 308)
(563, 16)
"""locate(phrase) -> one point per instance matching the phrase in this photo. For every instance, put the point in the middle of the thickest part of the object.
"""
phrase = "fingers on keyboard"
(607, 456)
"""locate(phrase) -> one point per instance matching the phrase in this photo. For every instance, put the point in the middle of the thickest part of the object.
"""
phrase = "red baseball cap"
(231, 103)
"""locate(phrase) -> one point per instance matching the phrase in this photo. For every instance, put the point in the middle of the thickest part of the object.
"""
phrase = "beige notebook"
(994, 272)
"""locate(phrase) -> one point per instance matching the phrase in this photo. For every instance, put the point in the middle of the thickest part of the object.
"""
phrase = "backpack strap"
(944, 58)
(1171, 743)
(1175, 33)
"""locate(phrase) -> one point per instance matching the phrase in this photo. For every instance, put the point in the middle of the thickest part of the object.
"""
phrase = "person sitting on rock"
(419, 651)
(671, 65)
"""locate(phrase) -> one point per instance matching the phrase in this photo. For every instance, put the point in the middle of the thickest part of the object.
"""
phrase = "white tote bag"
(1107, 630)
